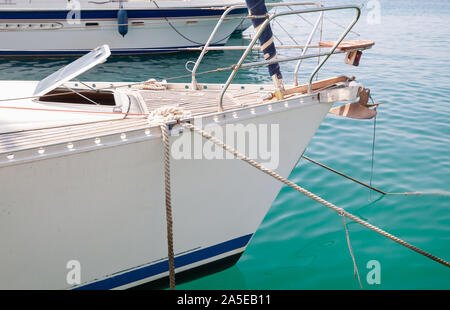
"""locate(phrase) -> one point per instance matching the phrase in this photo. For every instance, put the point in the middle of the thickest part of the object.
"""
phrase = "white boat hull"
(103, 206)
(49, 28)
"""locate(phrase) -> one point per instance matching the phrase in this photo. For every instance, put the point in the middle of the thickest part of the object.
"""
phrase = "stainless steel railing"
(268, 18)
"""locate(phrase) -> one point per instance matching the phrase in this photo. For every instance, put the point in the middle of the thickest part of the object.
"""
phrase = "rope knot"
(166, 114)
(150, 84)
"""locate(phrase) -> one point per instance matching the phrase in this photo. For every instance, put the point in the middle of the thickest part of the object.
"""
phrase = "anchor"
(360, 109)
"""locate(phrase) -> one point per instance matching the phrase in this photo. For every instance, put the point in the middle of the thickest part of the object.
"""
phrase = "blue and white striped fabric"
(258, 7)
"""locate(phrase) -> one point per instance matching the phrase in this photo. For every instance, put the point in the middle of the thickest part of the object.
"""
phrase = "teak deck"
(198, 102)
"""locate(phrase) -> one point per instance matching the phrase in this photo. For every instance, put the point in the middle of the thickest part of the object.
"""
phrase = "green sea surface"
(302, 244)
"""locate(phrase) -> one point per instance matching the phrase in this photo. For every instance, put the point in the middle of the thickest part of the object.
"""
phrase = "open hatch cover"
(79, 66)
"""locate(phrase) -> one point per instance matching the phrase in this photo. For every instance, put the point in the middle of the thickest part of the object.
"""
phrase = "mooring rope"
(443, 193)
(355, 267)
(307, 193)
(168, 113)
(168, 199)
(373, 151)
(343, 174)
(161, 116)
(190, 40)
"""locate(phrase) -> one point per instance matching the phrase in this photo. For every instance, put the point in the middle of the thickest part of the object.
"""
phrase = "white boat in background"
(82, 170)
(46, 28)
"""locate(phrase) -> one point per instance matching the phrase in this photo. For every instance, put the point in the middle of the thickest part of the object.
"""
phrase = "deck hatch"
(72, 70)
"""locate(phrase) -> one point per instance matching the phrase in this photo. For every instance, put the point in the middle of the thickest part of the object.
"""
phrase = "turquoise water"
(301, 244)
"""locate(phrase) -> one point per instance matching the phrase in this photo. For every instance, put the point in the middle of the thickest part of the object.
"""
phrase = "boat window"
(81, 96)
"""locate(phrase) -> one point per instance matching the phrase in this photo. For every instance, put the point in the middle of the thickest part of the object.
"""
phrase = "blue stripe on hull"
(161, 267)
(139, 51)
(112, 14)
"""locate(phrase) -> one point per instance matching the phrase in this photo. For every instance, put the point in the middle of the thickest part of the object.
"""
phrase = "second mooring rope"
(307, 193)
(166, 114)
